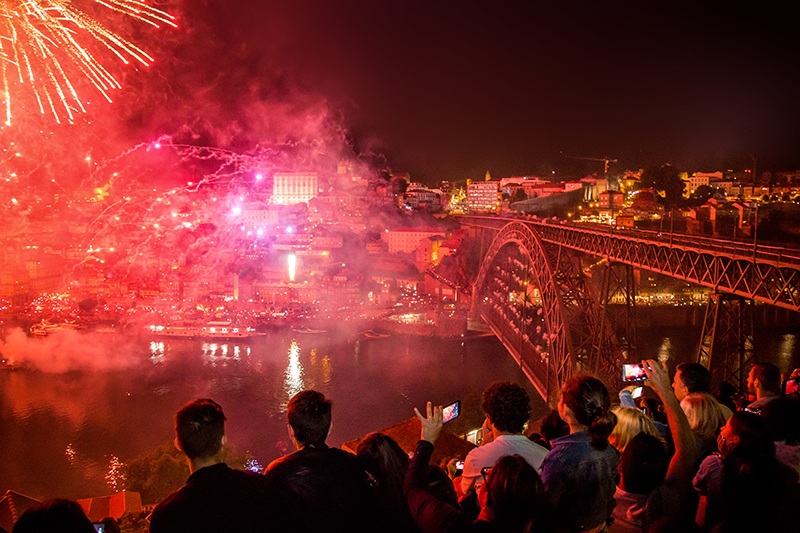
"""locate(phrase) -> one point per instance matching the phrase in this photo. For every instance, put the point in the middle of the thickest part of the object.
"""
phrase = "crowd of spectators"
(678, 459)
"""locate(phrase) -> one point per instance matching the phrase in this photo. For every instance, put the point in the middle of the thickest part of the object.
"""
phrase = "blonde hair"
(704, 414)
(630, 422)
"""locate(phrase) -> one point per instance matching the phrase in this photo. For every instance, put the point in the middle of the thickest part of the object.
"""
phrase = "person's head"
(58, 515)
(630, 422)
(507, 405)
(764, 380)
(200, 429)
(704, 414)
(553, 427)
(689, 378)
(585, 402)
(514, 492)
(643, 464)
(309, 415)
(386, 461)
(783, 418)
(747, 430)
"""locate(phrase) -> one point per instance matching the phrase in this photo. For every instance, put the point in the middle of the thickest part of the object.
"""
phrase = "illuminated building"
(407, 239)
(294, 187)
(483, 196)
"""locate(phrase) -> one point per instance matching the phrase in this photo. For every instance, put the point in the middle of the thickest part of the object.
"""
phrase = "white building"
(483, 196)
(294, 187)
(407, 239)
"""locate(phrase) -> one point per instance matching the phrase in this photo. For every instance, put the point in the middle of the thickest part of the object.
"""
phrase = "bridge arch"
(550, 331)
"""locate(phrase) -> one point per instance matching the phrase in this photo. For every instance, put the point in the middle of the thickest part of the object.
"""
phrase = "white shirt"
(488, 454)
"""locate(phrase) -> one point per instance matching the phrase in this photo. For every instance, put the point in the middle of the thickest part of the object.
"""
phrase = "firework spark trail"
(41, 37)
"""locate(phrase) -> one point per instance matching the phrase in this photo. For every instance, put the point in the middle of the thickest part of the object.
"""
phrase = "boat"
(44, 328)
(375, 335)
(212, 330)
(305, 329)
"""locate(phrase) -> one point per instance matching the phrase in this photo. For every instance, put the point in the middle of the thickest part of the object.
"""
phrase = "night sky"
(449, 90)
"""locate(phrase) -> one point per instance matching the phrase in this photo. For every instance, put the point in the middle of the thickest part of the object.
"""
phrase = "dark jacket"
(217, 498)
(321, 489)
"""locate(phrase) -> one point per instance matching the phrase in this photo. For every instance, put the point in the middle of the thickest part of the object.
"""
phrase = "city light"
(292, 260)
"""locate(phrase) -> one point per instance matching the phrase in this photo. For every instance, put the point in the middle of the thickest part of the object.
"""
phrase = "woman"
(630, 422)
(580, 471)
(386, 463)
(705, 418)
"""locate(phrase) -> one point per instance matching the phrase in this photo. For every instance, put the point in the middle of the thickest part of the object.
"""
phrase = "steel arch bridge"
(531, 292)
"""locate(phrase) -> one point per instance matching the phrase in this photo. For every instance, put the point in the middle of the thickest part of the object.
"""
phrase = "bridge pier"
(615, 342)
(726, 345)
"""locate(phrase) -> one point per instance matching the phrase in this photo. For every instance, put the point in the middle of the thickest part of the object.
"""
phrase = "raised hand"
(432, 424)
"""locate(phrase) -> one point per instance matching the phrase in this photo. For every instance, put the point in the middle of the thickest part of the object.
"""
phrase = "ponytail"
(588, 399)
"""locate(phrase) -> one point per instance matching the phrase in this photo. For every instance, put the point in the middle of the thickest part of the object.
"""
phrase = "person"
(705, 418)
(689, 378)
(511, 497)
(215, 497)
(386, 463)
(552, 427)
(320, 488)
(745, 429)
(56, 515)
(652, 485)
(580, 471)
(763, 382)
(783, 418)
(507, 408)
(630, 422)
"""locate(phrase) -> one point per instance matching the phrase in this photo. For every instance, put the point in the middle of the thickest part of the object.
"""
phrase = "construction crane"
(605, 161)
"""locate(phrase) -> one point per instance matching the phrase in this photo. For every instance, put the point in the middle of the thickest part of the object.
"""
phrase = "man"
(215, 497)
(320, 488)
(763, 382)
(507, 408)
(689, 378)
(651, 485)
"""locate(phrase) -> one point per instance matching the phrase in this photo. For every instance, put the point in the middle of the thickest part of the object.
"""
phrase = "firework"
(42, 42)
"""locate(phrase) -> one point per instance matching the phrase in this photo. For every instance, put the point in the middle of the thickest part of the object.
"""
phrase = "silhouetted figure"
(320, 488)
(54, 516)
(215, 498)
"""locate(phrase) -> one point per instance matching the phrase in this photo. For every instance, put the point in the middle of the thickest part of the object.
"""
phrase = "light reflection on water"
(60, 430)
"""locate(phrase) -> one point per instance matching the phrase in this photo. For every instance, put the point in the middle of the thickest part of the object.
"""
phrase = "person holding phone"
(508, 408)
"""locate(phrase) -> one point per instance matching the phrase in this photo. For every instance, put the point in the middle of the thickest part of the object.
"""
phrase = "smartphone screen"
(451, 411)
(637, 392)
(633, 373)
(791, 386)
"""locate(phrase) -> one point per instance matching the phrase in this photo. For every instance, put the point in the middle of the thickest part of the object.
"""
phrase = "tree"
(519, 195)
(702, 194)
(665, 179)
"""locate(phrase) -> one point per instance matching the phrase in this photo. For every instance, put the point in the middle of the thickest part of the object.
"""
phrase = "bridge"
(532, 291)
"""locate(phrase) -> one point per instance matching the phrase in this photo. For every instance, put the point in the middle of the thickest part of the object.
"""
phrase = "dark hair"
(695, 377)
(386, 461)
(783, 418)
(199, 426)
(309, 414)
(753, 432)
(553, 427)
(643, 464)
(769, 376)
(507, 405)
(588, 399)
(57, 516)
(515, 493)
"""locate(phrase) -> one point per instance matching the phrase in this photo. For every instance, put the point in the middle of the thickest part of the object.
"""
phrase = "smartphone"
(637, 392)
(633, 372)
(791, 386)
(460, 465)
(451, 411)
(99, 527)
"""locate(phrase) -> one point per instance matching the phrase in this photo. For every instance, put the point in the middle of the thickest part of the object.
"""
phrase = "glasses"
(485, 472)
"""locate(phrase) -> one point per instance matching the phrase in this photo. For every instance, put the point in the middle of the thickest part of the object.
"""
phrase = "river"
(66, 428)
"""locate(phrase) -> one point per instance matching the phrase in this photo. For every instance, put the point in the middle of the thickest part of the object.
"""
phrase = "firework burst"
(42, 42)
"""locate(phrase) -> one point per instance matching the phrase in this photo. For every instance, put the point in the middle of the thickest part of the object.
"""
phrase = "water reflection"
(786, 350)
(156, 352)
(293, 381)
(665, 350)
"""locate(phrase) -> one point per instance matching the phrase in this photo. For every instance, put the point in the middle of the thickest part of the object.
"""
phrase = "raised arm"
(682, 463)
